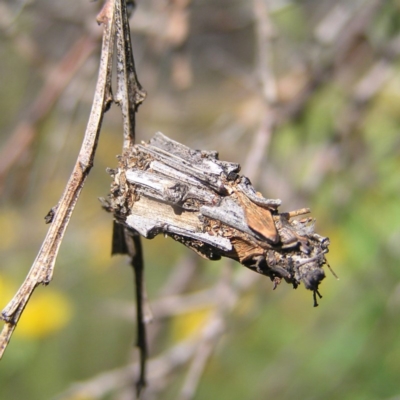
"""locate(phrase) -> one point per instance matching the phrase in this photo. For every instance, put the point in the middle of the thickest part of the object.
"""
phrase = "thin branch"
(204, 350)
(169, 306)
(129, 93)
(25, 132)
(129, 96)
(41, 271)
(265, 35)
(133, 241)
(211, 333)
(106, 383)
(264, 68)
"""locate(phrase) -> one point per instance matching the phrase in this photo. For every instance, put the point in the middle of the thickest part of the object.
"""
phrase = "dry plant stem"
(27, 129)
(108, 382)
(134, 250)
(42, 269)
(200, 358)
(161, 367)
(129, 93)
(210, 334)
(359, 21)
(264, 69)
(129, 96)
(265, 36)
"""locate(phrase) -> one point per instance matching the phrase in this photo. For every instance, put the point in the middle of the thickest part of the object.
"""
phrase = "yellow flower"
(47, 311)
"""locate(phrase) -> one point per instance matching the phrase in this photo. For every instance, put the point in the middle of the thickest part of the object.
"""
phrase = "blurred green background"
(216, 72)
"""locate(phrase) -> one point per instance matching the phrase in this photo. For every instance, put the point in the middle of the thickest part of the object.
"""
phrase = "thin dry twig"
(225, 298)
(107, 382)
(203, 352)
(27, 129)
(264, 68)
(42, 269)
(129, 96)
(161, 367)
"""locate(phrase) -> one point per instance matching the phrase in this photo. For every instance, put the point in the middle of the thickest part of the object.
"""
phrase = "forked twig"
(42, 269)
(129, 95)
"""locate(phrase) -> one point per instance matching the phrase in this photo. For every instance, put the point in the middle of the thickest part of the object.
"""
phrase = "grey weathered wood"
(164, 187)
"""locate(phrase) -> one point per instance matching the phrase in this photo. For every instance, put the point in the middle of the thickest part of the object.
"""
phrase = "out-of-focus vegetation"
(334, 146)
